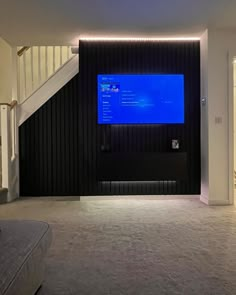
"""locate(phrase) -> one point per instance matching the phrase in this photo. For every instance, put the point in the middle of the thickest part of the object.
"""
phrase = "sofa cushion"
(23, 246)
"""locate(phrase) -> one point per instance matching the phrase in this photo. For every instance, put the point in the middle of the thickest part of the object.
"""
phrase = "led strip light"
(139, 39)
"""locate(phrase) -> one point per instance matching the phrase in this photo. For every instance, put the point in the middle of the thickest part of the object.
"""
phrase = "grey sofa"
(23, 246)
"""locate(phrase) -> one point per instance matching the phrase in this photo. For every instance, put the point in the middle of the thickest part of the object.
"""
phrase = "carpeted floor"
(136, 245)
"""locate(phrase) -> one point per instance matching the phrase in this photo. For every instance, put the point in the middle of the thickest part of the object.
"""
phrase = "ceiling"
(62, 22)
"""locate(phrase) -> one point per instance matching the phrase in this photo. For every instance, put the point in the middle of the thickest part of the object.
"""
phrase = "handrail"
(22, 50)
(13, 104)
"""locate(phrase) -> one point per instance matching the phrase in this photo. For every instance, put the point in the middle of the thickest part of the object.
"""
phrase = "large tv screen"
(141, 99)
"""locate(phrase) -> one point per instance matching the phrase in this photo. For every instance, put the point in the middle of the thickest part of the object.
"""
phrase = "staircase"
(41, 71)
(48, 88)
(37, 64)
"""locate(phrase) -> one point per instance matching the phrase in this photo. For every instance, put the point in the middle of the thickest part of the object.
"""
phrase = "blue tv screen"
(141, 99)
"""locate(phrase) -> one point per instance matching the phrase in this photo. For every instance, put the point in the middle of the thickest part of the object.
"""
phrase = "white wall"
(5, 71)
(220, 44)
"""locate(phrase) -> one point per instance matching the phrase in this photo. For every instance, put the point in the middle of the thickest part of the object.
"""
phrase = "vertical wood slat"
(19, 79)
(61, 51)
(39, 66)
(32, 67)
(68, 52)
(54, 59)
(24, 73)
(46, 62)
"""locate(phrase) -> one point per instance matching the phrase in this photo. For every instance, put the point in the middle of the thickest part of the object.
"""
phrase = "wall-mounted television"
(140, 99)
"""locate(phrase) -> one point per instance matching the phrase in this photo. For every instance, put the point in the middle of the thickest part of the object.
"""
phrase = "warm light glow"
(139, 39)
(138, 182)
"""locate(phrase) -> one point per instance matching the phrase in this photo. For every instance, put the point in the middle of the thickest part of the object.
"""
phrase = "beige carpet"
(138, 246)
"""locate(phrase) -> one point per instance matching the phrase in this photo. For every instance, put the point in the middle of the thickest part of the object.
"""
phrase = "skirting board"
(208, 202)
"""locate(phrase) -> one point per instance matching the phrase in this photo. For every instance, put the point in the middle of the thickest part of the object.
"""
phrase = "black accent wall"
(63, 151)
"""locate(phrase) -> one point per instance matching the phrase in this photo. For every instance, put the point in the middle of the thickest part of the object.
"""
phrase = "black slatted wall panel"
(49, 146)
(61, 143)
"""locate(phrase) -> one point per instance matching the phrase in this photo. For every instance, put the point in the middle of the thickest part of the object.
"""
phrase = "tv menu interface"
(140, 99)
